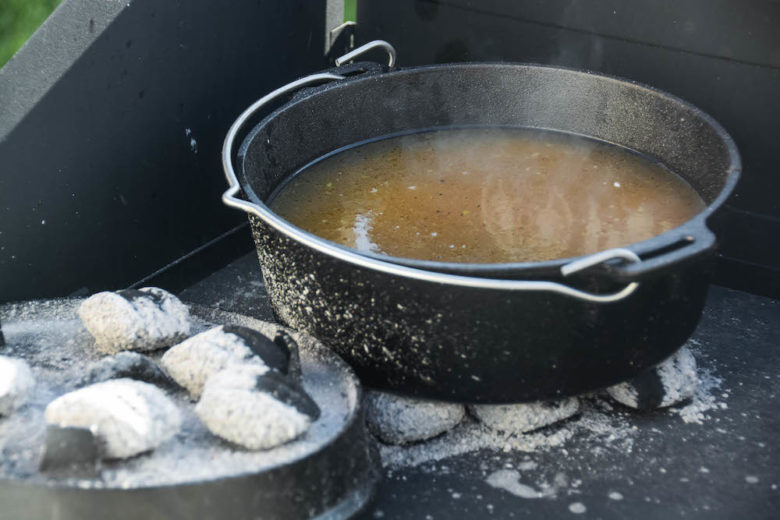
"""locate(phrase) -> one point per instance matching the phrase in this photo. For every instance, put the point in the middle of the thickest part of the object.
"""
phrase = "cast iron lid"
(310, 481)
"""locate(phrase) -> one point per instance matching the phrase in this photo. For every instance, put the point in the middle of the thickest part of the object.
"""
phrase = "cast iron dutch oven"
(494, 332)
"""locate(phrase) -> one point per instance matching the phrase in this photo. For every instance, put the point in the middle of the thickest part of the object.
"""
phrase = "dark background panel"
(733, 29)
(115, 172)
(725, 62)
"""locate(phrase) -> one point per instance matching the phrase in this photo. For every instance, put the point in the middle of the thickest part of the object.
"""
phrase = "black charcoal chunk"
(133, 295)
(289, 392)
(284, 340)
(70, 452)
(276, 355)
(130, 365)
(2, 338)
(667, 384)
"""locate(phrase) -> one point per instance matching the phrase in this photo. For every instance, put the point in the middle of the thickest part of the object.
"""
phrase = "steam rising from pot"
(486, 196)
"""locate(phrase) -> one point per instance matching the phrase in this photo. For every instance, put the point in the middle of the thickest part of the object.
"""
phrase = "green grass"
(350, 10)
(18, 20)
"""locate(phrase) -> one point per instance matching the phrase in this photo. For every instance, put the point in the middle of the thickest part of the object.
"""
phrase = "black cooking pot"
(490, 332)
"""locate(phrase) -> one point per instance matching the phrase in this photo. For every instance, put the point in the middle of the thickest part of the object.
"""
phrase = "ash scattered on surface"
(598, 424)
(602, 427)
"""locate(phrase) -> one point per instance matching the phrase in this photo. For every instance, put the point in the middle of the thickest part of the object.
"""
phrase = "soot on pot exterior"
(405, 327)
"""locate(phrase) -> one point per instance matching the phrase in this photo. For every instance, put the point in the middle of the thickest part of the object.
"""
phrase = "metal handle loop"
(342, 253)
(599, 258)
(365, 48)
(229, 197)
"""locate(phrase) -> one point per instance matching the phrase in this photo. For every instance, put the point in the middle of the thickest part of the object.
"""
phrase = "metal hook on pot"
(599, 258)
(367, 47)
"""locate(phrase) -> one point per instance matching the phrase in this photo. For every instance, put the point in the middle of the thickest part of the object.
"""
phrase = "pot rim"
(676, 234)
(433, 270)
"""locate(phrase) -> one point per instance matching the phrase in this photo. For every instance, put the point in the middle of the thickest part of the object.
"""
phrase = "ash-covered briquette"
(524, 417)
(127, 417)
(16, 383)
(127, 365)
(192, 362)
(70, 452)
(401, 420)
(143, 320)
(667, 384)
(255, 408)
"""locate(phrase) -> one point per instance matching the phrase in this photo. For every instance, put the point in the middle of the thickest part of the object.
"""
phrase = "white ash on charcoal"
(143, 320)
(192, 362)
(127, 417)
(402, 420)
(16, 384)
(255, 408)
(127, 365)
(672, 382)
(525, 417)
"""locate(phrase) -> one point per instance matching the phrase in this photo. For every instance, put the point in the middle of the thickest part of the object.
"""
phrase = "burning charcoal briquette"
(667, 384)
(524, 417)
(144, 319)
(70, 452)
(255, 408)
(129, 365)
(192, 362)
(127, 417)
(401, 420)
(16, 383)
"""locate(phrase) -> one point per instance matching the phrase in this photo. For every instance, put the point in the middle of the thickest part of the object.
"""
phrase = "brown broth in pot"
(486, 196)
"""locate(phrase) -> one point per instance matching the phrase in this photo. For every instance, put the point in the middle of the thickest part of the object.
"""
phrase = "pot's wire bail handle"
(230, 198)
(351, 55)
